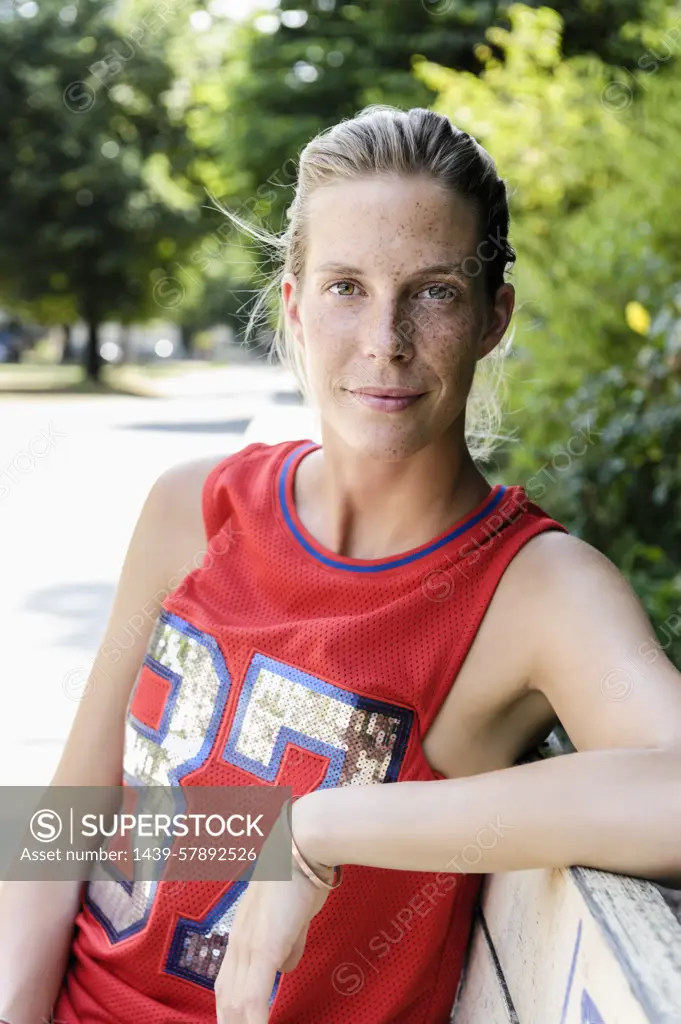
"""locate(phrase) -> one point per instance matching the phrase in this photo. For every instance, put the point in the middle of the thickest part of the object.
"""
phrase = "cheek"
(456, 322)
(452, 335)
(328, 333)
(450, 355)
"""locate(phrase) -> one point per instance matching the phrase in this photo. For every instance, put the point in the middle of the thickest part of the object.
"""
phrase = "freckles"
(444, 349)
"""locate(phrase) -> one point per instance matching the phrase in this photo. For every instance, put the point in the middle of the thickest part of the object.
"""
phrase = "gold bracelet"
(312, 874)
(309, 872)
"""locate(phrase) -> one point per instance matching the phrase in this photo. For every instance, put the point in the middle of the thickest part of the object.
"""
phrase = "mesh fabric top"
(278, 662)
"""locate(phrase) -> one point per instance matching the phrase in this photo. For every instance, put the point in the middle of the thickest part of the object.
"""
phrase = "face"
(388, 300)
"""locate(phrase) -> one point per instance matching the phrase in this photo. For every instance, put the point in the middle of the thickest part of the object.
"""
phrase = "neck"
(365, 507)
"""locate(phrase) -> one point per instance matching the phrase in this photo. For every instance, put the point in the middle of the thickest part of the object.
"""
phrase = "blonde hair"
(382, 139)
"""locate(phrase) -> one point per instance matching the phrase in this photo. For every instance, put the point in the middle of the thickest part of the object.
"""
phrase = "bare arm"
(614, 805)
(37, 918)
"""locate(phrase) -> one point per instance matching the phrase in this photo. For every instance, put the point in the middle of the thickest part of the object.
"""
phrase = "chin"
(389, 443)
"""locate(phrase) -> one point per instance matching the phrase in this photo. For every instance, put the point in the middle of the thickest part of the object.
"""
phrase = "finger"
(226, 986)
(260, 980)
(239, 981)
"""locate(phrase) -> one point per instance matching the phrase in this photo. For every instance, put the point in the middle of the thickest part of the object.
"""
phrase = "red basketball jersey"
(279, 662)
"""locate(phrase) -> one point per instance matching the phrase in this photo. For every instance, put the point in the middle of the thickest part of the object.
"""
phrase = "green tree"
(589, 152)
(99, 197)
(623, 493)
(310, 63)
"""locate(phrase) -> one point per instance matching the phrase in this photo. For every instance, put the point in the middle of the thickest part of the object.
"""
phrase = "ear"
(498, 319)
(290, 295)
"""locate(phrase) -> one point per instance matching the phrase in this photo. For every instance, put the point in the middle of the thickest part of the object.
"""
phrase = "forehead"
(388, 221)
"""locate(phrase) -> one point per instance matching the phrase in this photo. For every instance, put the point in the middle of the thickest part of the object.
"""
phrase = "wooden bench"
(571, 946)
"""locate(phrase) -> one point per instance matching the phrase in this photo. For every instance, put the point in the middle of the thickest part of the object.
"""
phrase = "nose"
(388, 333)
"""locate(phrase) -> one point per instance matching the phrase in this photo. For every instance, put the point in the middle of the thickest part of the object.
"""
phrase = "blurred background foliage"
(120, 120)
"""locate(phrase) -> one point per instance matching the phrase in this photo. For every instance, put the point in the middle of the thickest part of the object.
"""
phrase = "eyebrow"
(438, 268)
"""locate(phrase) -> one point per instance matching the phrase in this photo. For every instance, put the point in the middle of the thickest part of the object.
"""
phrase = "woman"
(346, 587)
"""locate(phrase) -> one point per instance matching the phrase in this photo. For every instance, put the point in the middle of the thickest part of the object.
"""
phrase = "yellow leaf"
(637, 317)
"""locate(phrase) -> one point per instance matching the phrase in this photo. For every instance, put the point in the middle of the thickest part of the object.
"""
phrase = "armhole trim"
(214, 516)
(470, 629)
(211, 516)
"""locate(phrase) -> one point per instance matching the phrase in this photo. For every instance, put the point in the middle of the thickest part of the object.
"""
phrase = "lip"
(383, 402)
(388, 392)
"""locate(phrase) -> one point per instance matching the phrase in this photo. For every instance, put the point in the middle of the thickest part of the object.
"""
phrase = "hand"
(268, 935)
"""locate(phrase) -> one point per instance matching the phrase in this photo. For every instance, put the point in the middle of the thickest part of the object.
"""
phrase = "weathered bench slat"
(644, 935)
(571, 946)
(483, 995)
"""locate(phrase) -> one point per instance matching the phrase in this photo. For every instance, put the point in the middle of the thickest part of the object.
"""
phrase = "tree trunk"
(186, 340)
(126, 348)
(93, 360)
(67, 353)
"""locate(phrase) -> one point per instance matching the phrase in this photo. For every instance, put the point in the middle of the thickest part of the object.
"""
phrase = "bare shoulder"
(562, 600)
(180, 489)
(558, 572)
(591, 648)
(184, 482)
(561, 552)
(174, 510)
(542, 572)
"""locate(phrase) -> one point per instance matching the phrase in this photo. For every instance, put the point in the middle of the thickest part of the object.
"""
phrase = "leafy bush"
(589, 152)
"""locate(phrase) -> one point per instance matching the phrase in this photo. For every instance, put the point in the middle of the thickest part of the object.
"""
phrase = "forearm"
(36, 925)
(618, 810)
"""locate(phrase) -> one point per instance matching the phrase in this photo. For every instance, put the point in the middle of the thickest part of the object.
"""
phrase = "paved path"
(62, 545)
